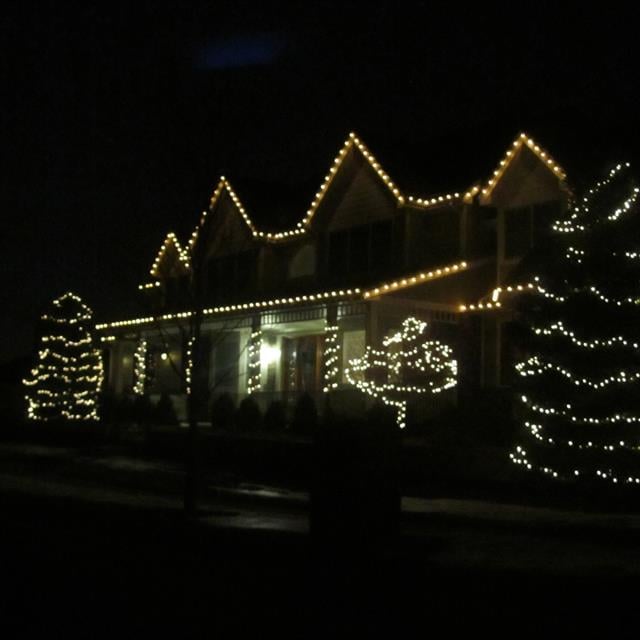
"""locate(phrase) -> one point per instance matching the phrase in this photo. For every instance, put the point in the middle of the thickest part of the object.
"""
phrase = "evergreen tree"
(66, 381)
(579, 377)
(409, 366)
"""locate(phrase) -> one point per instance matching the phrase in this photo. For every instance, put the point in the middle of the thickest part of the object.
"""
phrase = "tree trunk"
(191, 483)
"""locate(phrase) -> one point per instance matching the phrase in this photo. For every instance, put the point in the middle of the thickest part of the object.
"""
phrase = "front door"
(303, 364)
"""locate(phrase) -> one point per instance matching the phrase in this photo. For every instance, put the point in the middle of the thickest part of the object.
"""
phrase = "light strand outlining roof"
(417, 278)
(382, 289)
(522, 140)
(302, 225)
(496, 294)
(260, 304)
(171, 239)
(353, 141)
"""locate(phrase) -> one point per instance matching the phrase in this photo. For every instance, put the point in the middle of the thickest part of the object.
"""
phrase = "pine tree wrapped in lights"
(66, 381)
(409, 366)
(579, 377)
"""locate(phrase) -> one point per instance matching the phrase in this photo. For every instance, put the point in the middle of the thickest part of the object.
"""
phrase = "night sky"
(117, 120)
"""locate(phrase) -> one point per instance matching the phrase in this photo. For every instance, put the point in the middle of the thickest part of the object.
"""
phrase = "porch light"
(269, 354)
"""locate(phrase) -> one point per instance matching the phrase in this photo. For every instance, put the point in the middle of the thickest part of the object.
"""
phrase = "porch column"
(140, 367)
(331, 355)
(253, 356)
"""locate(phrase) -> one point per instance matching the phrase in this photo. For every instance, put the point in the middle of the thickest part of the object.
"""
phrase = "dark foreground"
(86, 569)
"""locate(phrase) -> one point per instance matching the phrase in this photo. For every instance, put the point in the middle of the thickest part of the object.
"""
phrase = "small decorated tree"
(409, 366)
(579, 376)
(65, 383)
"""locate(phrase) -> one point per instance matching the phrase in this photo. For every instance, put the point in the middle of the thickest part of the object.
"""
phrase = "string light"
(170, 242)
(610, 445)
(415, 279)
(536, 366)
(566, 412)
(498, 292)
(600, 429)
(188, 370)
(559, 328)
(520, 457)
(434, 200)
(382, 289)
(149, 285)
(253, 357)
(521, 141)
(581, 210)
(140, 368)
(354, 142)
(261, 304)
(331, 357)
(406, 352)
(68, 376)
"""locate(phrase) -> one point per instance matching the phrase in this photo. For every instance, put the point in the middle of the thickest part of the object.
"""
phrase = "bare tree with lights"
(187, 271)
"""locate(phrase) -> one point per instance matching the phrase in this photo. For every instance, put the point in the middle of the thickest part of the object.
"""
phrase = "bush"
(164, 412)
(109, 408)
(124, 412)
(222, 412)
(248, 415)
(142, 410)
(305, 415)
(275, 418)
(381, 419)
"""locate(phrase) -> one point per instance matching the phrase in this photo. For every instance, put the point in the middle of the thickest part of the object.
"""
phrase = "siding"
(356, 196)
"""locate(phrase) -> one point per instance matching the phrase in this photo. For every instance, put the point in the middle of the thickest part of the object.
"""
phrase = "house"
(285, 311)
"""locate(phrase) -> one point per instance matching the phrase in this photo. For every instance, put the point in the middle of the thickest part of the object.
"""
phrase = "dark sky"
(118, 119)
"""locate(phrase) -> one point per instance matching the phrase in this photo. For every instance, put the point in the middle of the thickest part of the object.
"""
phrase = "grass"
(452, 458)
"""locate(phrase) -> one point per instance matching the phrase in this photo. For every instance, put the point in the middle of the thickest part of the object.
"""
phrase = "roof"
(354, 144)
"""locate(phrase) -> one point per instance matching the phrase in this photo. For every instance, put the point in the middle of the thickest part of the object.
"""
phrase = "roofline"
(301, 227)
(522, 140)
(353, 141)
(360, 294)
(170, 239)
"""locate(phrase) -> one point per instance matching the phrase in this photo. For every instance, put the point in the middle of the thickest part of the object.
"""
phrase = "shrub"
(381, 418)
(164, 412)
(142, 410)
(222, 412)
(248, 414)
(124, 410)
(109, 408)
(275, 417)
(305, 415)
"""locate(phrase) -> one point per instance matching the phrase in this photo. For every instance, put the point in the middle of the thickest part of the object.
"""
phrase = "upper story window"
(361, 250)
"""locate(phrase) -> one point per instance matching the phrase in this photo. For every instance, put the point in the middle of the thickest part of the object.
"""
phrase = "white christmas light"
(542, 420)
(407, 352)
(253, 357)
(331, 357)
(140, 368)
(67, 379)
